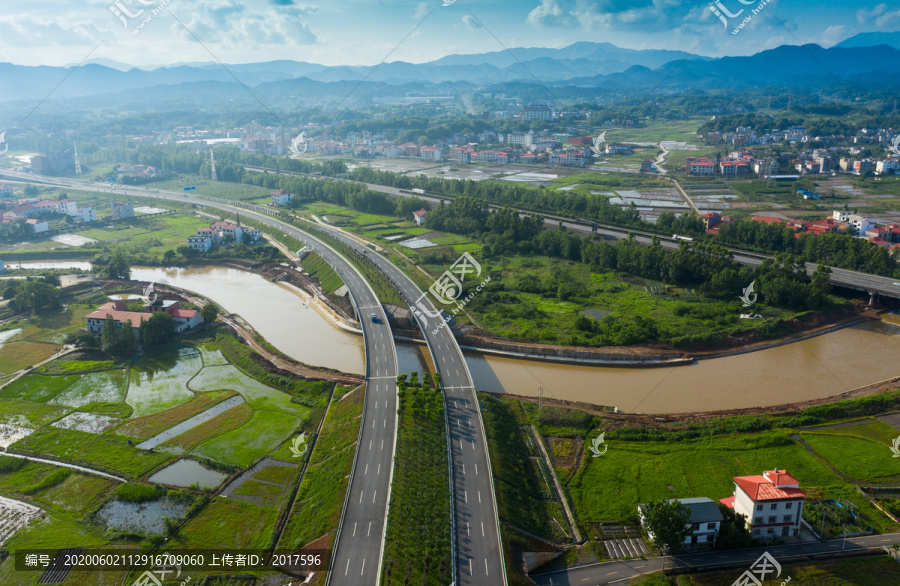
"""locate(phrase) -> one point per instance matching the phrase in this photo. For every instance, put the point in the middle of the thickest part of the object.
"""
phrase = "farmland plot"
(15, 515)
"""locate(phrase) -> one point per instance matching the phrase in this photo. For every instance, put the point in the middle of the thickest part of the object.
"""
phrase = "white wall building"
(201, 243)
(281, 198)
(68, 207)
(772, 503)
(88, 215)
(38, 225)
(6, 191)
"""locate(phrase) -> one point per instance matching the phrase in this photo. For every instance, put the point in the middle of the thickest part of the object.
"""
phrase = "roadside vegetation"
(646, 460)
(320, 498)
(417, 548)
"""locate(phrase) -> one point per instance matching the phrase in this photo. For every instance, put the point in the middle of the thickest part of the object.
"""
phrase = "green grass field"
(253, 440)
(417, 548)
(150, 425)
(227, 524)
(258, 395)
(317, 268)
(524, 498)
(222, 423)
(28, 414)
(859, 458)
(320, 499)
(108, 452)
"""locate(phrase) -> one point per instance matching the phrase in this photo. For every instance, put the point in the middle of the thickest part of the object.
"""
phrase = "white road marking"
(366, 471)
(370, 445)
(363, 571)
(476, 469)
(464, 469)
(466, 496)
(479, 496)
(467, 528)
(348, 567)
(482, 530)
(485, 566)
(369, 532)
(354, 530)
(360, 497)
(379, 469)
(376, 494)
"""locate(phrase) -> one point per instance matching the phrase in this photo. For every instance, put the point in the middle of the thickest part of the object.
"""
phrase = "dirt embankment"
(274, 362)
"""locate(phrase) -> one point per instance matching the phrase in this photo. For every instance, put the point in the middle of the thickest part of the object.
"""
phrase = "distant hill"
(582, 64)
(872, 40)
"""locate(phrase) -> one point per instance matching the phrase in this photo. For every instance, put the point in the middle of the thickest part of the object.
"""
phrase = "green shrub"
(139, 493)
(52, 479)
(8, 464)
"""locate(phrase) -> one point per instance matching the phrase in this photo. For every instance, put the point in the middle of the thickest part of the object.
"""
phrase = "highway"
(359, 546)
(478, 556)
(627, 570)
(476, 543)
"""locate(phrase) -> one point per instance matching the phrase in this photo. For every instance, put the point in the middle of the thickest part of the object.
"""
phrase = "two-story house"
(772, 503)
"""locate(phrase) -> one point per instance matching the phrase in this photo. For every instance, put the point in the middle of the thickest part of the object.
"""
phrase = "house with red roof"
(419, 216)
(767, 219)
(772, 503)
(185, 319)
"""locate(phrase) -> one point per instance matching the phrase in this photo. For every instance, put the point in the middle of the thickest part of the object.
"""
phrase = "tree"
(31, 190)
(118, 267)
(169, 256)
(127, 343)
(668, 523)
(210, 312)
(109, 336)
(36, 296)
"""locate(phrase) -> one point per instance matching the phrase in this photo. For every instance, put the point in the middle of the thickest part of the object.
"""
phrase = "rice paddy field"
(88, 410)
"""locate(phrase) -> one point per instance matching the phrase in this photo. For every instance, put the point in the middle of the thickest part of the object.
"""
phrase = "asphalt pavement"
(625, 571)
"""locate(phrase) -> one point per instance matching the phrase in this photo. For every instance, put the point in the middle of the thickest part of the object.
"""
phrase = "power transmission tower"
(212, 162)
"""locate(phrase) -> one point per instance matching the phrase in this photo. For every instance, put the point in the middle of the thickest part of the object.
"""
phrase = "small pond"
(144, 518)
(187, 473)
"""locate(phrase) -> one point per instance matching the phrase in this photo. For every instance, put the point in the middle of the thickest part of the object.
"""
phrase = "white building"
(431, 154)
(38, 225)
(88, 215)
(706, 520)
(860, 223)
(122, 211)
(67, 207)
(281, 198)
(200, 242)
(772, 503)
(887, 166)
(185, 319)
(419, 217)
(6, 191)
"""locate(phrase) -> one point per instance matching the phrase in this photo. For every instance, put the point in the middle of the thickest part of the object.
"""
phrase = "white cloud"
(471, 23)
(422, 10)
(551, 13)
(833, 35)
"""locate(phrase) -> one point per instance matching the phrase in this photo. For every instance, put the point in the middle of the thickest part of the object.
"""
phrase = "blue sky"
(59, 32)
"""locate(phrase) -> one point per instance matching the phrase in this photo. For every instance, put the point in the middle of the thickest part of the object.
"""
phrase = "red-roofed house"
(767, 219)
(772, 503)
(701, 166)
(419, 216)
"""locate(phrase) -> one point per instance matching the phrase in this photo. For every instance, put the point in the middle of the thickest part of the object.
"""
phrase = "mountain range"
(869, 58)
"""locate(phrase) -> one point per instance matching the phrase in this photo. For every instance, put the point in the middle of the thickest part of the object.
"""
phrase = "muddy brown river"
(819, 367)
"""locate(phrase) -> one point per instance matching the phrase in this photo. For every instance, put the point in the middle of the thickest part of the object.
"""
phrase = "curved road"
(476, 544)
(356, 560)
(477, 550)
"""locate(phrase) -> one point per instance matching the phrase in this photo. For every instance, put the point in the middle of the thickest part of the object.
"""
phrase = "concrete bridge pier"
(873, 296)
